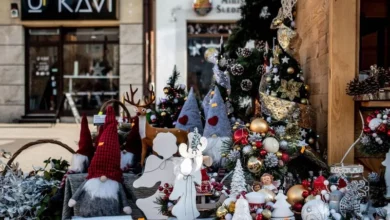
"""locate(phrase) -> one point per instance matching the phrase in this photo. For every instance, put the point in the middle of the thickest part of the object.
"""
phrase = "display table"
(127, 217)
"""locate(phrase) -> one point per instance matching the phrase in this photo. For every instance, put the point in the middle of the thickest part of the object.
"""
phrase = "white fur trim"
(142, 126)
(127, 210)
(127, 159)
(71, 202)
(79, 163)
(213, 148)
(96, 188)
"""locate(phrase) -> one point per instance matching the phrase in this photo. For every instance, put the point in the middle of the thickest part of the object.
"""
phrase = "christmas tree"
(168, 109)
(238, 180)
(282, 207)
(241, 211)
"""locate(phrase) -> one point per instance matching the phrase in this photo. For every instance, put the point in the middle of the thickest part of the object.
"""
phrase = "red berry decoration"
(285, 157)
(297, 207)
(382, 128)
(259, 217)
(259, 144)
(305, 183)
(263, 153)
(166, 191)
(166, 185)
(160, 188)
(305, 194)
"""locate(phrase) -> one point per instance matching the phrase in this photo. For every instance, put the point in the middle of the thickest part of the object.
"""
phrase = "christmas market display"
(246, 151)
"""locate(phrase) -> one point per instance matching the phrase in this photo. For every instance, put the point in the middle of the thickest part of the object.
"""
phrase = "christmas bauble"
(311, 140)
(254, 165)
(247, 125)
(259, 217)
(290, 70)
(315, 209)
(368, 130)
(263, 152)
(163, 114)
(247, 149)
(166, 90)
(259, 125)
(244, 141)
(304, 101)
(382, 128)
(266, 214)
(269, 196)
(285, 157)
(283, 145)
(279, 154)
(268, 79)
(297, 207)
(240, 134)
(259, 144)
(294, 194)
(271, 145)
(210, 54)
(305, 194)
(232, 207)
(307, 87)
(221, 211)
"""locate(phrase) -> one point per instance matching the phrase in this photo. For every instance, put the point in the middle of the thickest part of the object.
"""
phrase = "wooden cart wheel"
(30, 144)
(112, 101)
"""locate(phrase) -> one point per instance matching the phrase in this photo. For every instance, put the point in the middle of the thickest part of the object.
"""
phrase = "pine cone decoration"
(354, 88)
(244, 52)
(237, 69)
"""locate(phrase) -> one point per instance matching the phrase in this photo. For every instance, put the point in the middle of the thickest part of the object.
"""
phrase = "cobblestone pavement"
(14, 136)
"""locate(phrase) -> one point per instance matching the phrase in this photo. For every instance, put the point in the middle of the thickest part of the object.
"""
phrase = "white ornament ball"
(275, 70)
(271, 145)
(323, 192)
(182, 86)
(153, 117)
(212, 180)
(374, 134)
(170, 204)
(379, 115)
(315, 209)
(283, 145)
(327, 196)
(175, 100)
(384, 117)
(326, 182)
(259, 211)
(384, 121)
(293, 24)
(374, 123)
(380, 142)
(228, 216)
(333, 188)
(247, 149)
(377, 139)
(215, 174)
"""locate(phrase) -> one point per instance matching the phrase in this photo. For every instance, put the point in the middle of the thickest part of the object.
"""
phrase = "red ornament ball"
(367, 130)
(297, 207)
(259, 217)
(240, 134)
(382, 128)
(259, 144)
(244, 141)
(263, 153)
(388, 133)
(305, 194)
(369, 118)
(166, 185)
(305, 183)
(285, 157)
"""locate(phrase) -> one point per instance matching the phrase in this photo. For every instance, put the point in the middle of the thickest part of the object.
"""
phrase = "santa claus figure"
(133, 147)
(205, 186)
(102, 193)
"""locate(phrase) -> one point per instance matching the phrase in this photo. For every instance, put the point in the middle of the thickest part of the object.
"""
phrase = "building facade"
(91, 50)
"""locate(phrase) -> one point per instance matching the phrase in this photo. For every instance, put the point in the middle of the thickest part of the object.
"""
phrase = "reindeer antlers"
(148, 101)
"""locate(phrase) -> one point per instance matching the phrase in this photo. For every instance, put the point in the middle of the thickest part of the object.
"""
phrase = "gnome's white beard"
(213, 149)
(127, 159)
(79, 163)
(106, 190)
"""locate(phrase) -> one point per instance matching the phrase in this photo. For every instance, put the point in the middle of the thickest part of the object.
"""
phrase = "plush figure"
(189, 117)
(217, 129)
(102, 193)
(256, 187)
(133, 146)
(205, 187)
(267, 181)
(158, 169)
(184, 189)
(206, 102)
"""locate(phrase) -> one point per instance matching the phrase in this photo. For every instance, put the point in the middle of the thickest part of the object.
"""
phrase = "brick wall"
(313, 27)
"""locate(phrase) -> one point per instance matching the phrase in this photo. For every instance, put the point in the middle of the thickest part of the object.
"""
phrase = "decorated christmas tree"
(168, 109)
(238, 180)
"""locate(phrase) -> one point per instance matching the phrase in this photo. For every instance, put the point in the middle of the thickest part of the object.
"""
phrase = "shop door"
(43, 86)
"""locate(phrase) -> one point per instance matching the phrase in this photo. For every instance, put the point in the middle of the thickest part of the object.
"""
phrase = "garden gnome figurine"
(386, 163)
(189, 117)
(206, 102)
(102, 193)
(217, 129)
(133, 146)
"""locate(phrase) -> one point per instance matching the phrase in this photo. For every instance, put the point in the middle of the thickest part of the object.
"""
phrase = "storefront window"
(81, 61)
(202, 38)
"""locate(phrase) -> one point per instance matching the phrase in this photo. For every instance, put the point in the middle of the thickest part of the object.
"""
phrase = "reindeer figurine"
(146, 131)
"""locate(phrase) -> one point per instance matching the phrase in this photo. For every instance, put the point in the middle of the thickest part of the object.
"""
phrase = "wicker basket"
(30, 144)
(114, 101)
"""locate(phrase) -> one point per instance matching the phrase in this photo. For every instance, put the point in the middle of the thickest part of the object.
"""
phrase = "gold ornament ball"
(311, 140)
(294, 194)
(254, 148)
(304, 101)
(307, 87)
(232, 207)
(269, 196)
(247, 125)
(290, 70)
(279, 154)
(166, 90)
(254, 165)
(268, 79)
(238, 148)
(163, 114)
(221, 212)
(209, 54)
(259, 125)
(266, 213)
(288, 137)
(263, 134)
(253, 143)
(234, 127)
(237, 123)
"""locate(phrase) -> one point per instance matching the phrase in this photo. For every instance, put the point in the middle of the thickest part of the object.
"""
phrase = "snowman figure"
(386, 163)
(189, 173)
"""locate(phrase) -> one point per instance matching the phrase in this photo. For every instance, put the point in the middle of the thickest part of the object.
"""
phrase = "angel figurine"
(267, 181)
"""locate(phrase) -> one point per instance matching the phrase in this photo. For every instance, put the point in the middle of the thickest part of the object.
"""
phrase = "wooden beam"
(343, 62)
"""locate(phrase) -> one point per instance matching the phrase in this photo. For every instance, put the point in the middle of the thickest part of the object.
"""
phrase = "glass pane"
(43, 75)
(91, 74)
(44, 35)
(91, 34)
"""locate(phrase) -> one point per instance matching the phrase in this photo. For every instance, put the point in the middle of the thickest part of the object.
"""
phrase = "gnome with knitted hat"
(217, 129)
(102, 194)
(189, 117)
(132, 151)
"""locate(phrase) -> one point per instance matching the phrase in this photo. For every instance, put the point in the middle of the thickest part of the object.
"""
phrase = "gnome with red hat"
(205, 186)
(102, 194)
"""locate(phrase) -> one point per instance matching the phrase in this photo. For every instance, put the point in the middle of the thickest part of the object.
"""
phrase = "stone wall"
(12, 83)
(313, 27)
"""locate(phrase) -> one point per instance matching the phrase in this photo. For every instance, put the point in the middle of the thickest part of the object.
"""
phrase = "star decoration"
(194, 51)
(302, 143)
(285, 59)
(97, 69)
(303, 133)
(276, 78)
(289, 89)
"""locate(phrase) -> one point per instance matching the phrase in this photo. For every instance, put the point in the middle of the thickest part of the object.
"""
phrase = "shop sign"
(230, 6)
(69, 9)
(202, 7)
